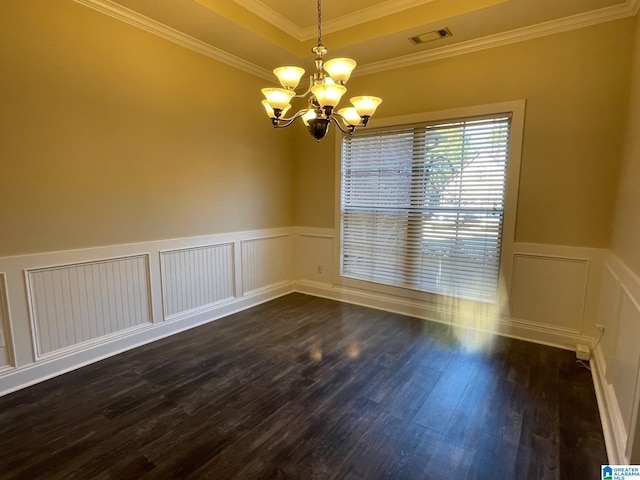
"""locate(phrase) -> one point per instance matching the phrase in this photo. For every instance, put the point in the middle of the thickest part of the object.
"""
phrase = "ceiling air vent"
(430, 36)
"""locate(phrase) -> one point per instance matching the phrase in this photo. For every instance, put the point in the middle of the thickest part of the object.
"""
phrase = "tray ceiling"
(258, 35)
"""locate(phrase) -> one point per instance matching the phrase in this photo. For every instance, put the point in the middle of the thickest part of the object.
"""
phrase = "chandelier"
(326, 88)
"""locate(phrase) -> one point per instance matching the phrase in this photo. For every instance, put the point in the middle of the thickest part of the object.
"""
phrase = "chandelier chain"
(319, 22)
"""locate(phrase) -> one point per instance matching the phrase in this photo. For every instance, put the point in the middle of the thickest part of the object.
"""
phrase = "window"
(422, 205)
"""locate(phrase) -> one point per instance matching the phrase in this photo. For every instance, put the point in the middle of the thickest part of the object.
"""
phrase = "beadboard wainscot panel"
(196, 279)
(616, 363)
(71, 308)
(6, 350)
(266, 263)
(74, 304)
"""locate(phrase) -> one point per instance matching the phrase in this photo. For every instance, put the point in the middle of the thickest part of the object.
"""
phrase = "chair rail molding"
(62, 310)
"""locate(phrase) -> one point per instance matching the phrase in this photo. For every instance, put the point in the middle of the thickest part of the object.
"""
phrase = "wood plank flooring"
(308, 388)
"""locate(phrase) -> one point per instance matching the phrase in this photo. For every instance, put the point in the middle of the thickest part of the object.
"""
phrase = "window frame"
(517, 110)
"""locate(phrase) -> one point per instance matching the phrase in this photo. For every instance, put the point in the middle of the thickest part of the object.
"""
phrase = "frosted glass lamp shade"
(310, 115)
(350, 114)
(366, 105)
(270, 111)
(328, 95)
(289, 77)
(339, 69)
(278, 97)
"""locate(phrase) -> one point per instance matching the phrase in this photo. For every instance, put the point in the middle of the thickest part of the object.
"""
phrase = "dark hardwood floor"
(308, 388)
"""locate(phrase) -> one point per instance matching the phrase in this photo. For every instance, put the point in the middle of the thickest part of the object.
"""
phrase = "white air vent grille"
(430, 36)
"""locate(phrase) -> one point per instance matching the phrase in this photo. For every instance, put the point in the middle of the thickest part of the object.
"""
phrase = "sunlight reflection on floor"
(474, 323)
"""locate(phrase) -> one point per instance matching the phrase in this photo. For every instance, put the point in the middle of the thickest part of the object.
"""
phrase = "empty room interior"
(440, 282)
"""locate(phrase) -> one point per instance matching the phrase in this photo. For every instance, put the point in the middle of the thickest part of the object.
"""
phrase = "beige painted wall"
(112, 135)
(314, 179)
(626, 231)
(575, 84)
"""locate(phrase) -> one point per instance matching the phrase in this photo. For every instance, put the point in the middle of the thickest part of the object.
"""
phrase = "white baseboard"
(62, 310)
(13, 379)
(22, 377)
(612, 424)
(243, 265)
(616, 362)
(509, 328)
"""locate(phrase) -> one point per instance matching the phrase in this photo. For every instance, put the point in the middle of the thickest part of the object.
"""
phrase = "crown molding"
(302, 34)
(627, 9)
(138, 20)
(274, 18)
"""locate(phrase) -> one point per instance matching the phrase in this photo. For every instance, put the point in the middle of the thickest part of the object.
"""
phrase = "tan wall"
(314, 179)
(575, 84)
(112, 135)
(626, 230)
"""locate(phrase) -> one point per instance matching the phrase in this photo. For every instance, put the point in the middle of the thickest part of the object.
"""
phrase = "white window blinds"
(422, 206)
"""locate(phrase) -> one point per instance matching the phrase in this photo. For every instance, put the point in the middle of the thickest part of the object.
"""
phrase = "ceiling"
(259, 35)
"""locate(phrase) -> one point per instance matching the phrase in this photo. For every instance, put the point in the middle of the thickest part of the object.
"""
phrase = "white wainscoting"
(190, 281)
(553, 294)
(63, 310)
(314, 256)
(266, 262)
(608, 315)
(616, 365)
(72, 305)
(552, 291)
(6, 350)
(549, 291)
(197, 279)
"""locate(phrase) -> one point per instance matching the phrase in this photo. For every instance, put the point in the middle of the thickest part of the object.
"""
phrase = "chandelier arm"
(301, 95)
(350, 128)
(285, 122)
(347, 123)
